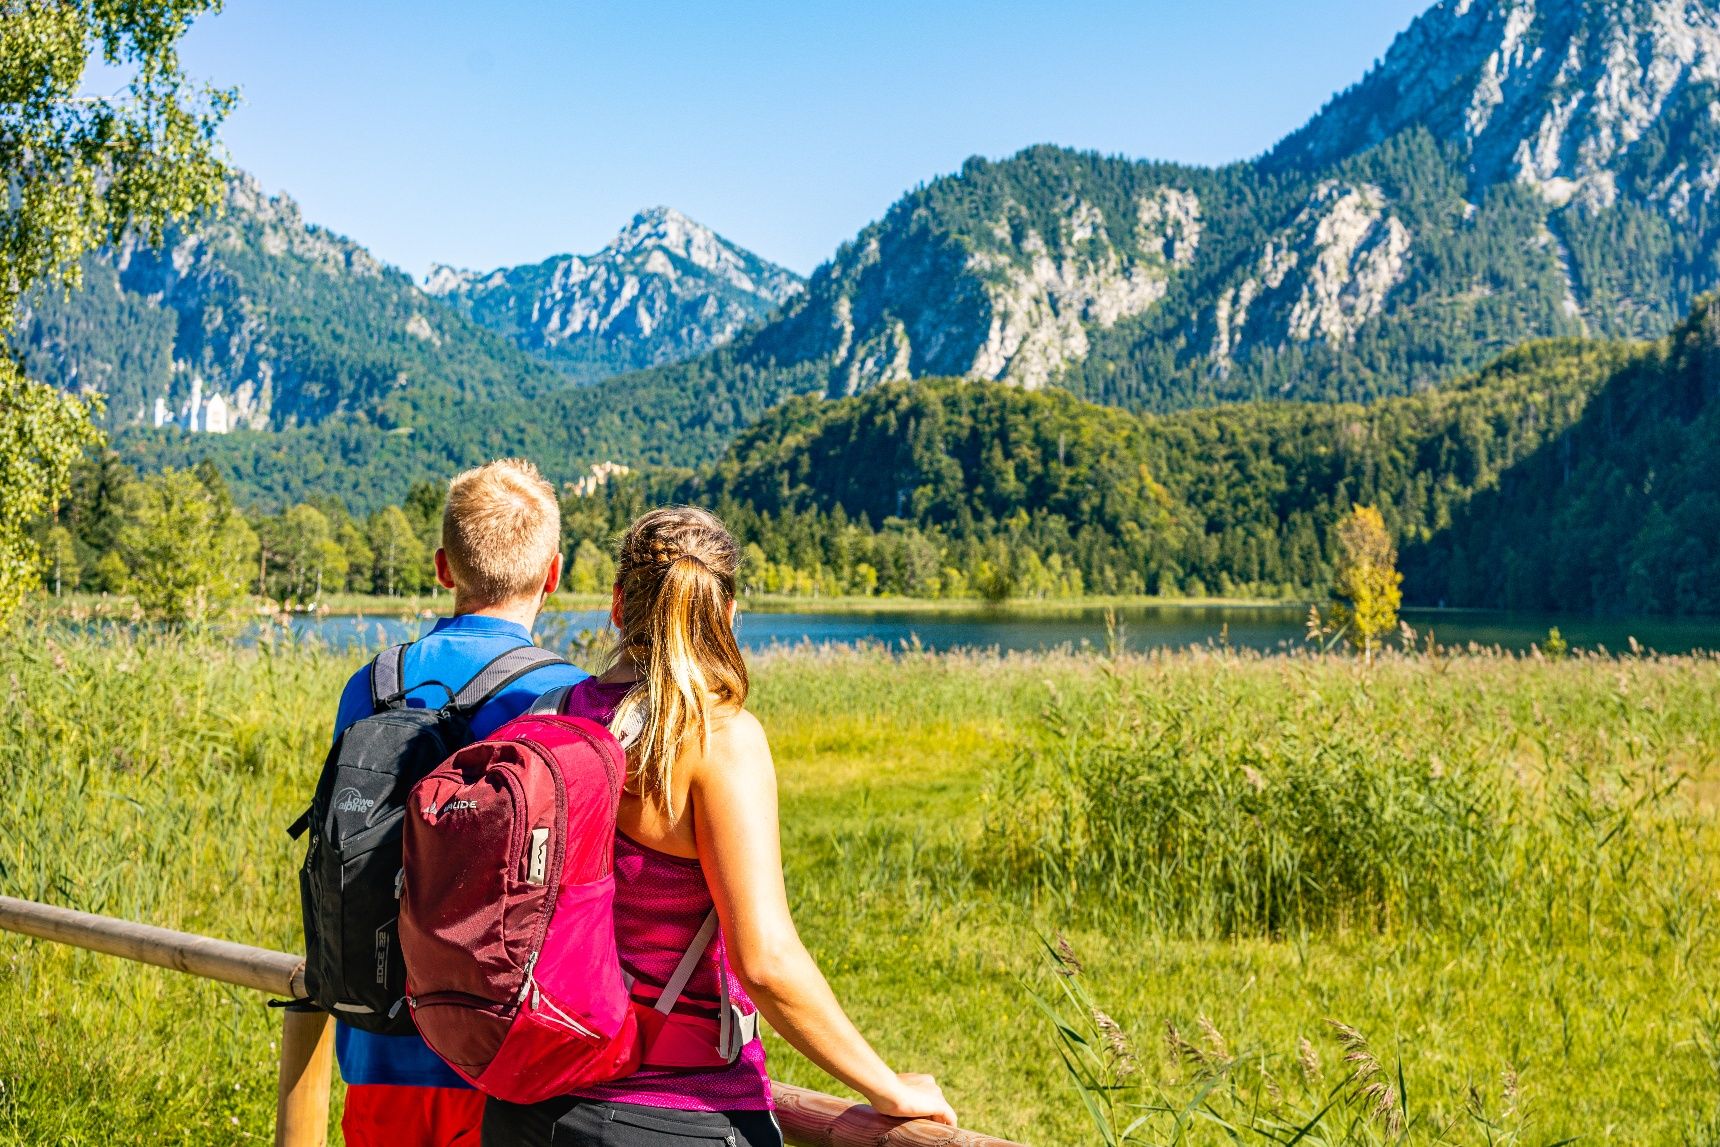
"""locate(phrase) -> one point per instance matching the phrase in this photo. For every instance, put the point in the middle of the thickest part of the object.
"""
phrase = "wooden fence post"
(307, 1061)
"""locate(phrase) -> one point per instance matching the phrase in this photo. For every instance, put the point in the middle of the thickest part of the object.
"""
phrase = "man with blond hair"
(501, 555)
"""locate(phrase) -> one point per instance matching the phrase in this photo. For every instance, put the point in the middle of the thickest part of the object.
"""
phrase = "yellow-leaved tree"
(80, 171)
(1366, 586)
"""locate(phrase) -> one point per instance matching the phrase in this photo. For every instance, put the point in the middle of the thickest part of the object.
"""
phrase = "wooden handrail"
(808, 1118)
(222, 960)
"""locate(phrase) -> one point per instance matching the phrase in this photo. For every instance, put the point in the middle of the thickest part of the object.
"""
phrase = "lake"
(1260, 627)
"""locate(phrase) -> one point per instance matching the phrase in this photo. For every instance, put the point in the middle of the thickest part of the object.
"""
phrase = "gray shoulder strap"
(387, 679)
(689, 960)
(501, 673)
(551, 703)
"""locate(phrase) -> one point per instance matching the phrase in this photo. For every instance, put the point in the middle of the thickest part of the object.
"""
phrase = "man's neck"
(521, 611)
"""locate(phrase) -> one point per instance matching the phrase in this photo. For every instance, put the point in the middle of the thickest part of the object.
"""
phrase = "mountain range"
(1510, 170)
(284, 324)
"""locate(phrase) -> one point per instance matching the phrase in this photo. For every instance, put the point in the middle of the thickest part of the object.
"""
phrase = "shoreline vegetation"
(123, 606)
(1481, 863)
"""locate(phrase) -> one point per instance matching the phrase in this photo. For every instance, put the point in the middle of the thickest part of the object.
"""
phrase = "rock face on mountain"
(1576, 98)
(257, 320)
(665, 289)
(1321, 277)
(985, 274)
(1512, 169)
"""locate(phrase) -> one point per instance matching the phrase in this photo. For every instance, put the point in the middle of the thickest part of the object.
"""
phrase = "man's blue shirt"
(452, 652)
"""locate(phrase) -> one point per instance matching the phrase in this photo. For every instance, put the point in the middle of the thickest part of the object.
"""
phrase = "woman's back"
(661, 902)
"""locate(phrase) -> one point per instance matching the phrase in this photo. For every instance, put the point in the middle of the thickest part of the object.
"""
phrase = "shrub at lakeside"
(1486, 864)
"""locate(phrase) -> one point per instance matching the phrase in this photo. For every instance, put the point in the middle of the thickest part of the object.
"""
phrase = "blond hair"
(677, 578)
(501, 528)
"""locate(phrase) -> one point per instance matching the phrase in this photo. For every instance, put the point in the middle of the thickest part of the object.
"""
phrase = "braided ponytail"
(677, 581)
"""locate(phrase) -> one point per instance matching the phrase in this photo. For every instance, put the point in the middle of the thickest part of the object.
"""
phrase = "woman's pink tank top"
(660, 903)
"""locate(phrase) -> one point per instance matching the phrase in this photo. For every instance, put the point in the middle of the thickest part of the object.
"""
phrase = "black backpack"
(350, 884)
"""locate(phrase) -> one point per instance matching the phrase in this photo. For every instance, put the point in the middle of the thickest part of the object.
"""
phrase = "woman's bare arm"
(733, 794)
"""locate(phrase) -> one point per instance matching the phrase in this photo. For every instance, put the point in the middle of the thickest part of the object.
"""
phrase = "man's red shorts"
(385, 1115)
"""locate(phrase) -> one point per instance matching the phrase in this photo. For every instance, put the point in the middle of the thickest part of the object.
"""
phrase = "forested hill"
(1570, 474)
(1621, 510)
(1577, 475)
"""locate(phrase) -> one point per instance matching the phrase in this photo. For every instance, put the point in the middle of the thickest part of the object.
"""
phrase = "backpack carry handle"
(550, 704)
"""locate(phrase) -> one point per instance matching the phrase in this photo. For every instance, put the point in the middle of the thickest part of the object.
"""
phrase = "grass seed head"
(1216, 1046)
(1308, 1060)
(1180, 1048)
(1116, 1044)
(1068, 965)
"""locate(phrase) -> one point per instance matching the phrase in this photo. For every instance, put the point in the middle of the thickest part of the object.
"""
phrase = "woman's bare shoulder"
(737, 731)
(738, 752)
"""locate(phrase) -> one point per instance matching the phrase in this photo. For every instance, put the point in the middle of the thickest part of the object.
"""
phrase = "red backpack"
(507, 921)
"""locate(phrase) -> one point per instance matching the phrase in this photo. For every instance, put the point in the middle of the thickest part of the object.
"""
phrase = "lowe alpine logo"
(451, 806)
(351, 800)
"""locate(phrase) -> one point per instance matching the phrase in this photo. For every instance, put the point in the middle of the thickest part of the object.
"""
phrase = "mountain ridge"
(665, 288)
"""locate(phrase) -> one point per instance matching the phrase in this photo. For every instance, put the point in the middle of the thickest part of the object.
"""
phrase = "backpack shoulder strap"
(387, 677)
(501, 673)
(550, 704)
(683, 972)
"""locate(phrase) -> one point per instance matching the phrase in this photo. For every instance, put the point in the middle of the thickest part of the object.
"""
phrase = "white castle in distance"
(212, 417)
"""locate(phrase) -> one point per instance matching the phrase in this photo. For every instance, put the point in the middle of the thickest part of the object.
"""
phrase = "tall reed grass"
(1264, 798)
(935, 818)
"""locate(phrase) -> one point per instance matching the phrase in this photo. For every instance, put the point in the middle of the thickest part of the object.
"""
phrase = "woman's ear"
(733, 604)
(615, 606)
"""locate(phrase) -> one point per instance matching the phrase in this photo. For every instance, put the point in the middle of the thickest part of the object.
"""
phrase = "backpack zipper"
(552, 883)
(609, 767)
(543, 1005)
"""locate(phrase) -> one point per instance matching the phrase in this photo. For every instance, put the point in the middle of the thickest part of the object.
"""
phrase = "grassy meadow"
(1499, 874)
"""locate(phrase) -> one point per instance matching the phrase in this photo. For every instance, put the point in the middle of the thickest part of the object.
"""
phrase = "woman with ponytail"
(697, 831)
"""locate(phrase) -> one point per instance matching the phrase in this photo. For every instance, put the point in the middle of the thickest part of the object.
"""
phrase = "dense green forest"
(1620, 511)
(1575, 474)
(1239, 499)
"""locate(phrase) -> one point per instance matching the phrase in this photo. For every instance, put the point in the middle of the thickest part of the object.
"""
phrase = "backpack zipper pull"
(529, 988)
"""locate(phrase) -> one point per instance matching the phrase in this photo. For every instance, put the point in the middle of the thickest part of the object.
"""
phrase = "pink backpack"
(507, 920)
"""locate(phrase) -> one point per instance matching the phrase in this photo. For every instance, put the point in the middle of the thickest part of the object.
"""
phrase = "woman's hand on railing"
(915, 1096)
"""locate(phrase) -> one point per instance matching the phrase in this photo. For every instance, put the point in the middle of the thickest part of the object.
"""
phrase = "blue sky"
(486, 134)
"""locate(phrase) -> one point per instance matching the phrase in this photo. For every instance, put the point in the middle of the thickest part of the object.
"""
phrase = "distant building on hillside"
(214, 416)
(599, 477)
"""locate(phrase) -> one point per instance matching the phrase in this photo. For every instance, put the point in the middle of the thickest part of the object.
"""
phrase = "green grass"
(1572, 952)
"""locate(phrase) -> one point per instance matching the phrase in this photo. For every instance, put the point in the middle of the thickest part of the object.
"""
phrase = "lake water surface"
(1260, 627)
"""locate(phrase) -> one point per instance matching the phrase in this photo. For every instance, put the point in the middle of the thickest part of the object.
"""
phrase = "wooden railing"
(809, 1118)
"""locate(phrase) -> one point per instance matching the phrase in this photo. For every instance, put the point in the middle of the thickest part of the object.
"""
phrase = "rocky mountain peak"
(664, 288)
(1565, 95)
